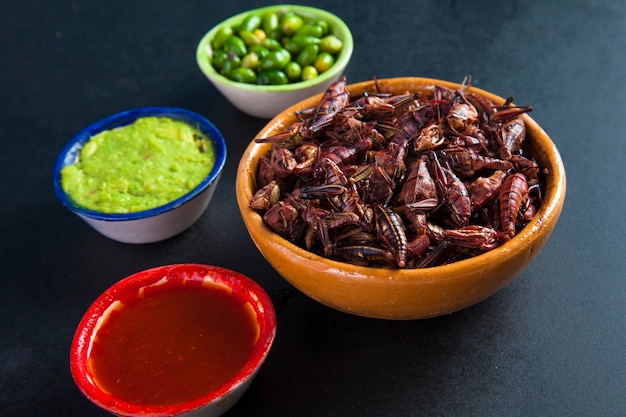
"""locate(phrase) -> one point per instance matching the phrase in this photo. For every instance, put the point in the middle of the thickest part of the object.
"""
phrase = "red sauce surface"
(171, 347)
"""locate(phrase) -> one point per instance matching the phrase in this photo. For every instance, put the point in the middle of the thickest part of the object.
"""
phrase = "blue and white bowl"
(155, 224)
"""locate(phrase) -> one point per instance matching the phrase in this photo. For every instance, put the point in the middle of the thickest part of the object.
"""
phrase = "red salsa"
(169, 347)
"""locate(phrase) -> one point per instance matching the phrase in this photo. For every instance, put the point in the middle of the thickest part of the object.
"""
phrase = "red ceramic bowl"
(251, 299)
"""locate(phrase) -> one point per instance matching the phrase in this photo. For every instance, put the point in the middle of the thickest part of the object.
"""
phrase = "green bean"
(249, 38)
(235, 45)
(299, 42)
(290, 23)
(324, 25)
(250, 23)
(307, 55)
(243, 75)
(260, 51)
(293, 70)
(323, 62)
(275, 60)
(251, 60)
(309, 72)
(271, 24)
(331, 44)
(274, 77)
(271, 44)
(221, 35)
(310, 30)
(260, 34)
(230, 64)
(218, 59)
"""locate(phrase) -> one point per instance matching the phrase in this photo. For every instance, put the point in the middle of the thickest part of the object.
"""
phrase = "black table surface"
(551, 343)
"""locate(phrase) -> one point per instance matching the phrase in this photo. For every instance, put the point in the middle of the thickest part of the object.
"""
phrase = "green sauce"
(144, 165)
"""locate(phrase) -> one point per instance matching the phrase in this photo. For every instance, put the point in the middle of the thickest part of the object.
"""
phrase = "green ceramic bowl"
(266, 101)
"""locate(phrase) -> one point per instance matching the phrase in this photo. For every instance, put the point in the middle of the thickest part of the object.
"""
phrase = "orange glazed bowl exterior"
(403, 294)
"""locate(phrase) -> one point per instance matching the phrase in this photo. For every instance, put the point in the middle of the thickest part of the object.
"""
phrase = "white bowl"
(158, 223)
(266, 101)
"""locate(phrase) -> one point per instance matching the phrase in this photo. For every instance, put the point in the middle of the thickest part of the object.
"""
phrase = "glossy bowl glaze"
(215, 403)
(266, 101)
(158, 223)
(403, 293)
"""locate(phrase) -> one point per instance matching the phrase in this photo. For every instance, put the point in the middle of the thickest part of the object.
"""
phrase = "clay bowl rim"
(542, 224)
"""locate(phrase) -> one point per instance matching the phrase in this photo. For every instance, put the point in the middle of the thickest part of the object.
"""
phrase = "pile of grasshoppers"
(400, 181)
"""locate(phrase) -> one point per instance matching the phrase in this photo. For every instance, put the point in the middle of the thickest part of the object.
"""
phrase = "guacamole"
(143, 165)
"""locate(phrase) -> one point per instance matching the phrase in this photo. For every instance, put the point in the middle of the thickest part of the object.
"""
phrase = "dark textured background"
(552, 343)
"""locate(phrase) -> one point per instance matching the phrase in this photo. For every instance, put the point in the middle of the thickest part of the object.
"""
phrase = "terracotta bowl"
(403, 293)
